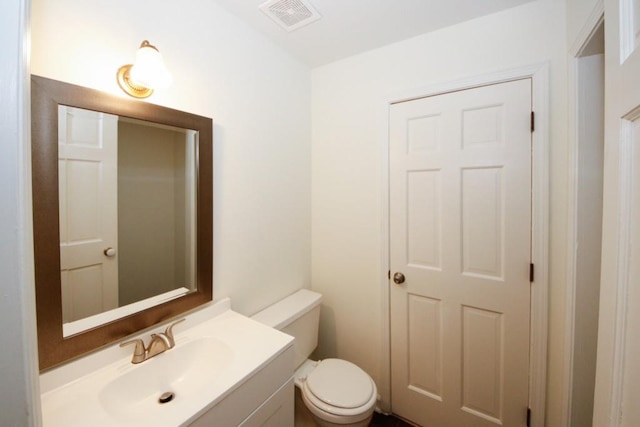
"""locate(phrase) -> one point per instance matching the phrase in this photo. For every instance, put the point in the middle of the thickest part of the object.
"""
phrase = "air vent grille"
(290, 14)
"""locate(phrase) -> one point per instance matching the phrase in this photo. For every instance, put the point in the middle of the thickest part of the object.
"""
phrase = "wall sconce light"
(146, 74)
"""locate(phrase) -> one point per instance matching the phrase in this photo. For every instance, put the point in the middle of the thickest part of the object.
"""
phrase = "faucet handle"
(169, 332)
(139, 352)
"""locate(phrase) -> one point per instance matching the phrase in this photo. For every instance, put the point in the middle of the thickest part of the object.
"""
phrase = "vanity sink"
(224, 369)
(179, 374)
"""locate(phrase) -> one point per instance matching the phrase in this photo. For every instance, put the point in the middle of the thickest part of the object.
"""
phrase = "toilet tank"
(297, 315)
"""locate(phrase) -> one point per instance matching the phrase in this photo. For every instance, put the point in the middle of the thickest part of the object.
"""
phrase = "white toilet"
(335, 392)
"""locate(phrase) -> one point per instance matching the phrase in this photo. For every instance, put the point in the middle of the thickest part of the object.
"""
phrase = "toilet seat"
(339, 383)
(339, 388)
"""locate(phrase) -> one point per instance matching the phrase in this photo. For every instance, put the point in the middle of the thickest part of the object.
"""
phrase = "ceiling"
(349, 27)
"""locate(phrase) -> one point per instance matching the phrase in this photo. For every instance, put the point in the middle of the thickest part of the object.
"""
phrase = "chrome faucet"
(159, 343)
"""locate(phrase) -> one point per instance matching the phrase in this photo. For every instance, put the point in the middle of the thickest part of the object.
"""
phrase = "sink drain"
(166, 397)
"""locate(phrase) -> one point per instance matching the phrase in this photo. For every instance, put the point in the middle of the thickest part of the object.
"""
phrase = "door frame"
(622, 114)
(593, 22)
(539, 74)
(19, 354)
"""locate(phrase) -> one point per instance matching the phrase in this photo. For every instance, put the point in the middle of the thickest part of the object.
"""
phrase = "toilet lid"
(340, 383)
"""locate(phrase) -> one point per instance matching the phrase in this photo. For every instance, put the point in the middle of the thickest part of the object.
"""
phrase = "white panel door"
(460, 234)
(87, 158)
(618, 361)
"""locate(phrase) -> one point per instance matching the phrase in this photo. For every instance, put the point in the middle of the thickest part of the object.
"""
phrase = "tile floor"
(380, 420)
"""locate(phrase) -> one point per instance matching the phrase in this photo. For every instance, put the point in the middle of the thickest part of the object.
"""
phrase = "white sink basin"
(135, 393)
(219, 364)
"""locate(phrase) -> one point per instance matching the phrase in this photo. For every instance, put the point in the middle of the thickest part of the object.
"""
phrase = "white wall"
(259, 99)
(19, 405)
(348, 133)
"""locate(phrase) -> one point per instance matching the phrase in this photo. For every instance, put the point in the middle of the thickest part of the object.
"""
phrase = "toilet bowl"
(335, 392)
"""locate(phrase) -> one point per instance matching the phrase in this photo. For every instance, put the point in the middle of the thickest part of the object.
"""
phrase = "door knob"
(398, 278)
(110, 252)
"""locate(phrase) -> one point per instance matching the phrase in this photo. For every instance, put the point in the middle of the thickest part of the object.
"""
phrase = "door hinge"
(531, 275)
(528, 417)
(533, 121)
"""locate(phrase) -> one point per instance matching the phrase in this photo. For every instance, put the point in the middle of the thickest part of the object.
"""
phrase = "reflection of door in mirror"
(88, 211)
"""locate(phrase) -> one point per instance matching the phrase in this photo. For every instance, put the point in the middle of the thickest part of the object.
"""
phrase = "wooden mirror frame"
(46, 95)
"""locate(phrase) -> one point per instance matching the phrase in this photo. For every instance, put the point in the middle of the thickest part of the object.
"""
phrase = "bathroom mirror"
(127, 194)
(122, 205)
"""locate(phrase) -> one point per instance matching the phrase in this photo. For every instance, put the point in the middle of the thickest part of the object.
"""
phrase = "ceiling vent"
(290, 14)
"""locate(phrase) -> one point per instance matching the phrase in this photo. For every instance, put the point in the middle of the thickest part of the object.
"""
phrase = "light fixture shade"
(148, 73)
(149, 69)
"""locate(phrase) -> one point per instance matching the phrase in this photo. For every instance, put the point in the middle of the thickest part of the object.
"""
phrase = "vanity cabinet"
(226, 370)
(266, 398)
(277, 411)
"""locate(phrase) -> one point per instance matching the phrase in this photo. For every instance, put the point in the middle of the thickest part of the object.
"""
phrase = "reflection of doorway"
(585, 224)
(156, 209)
(127, 211)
